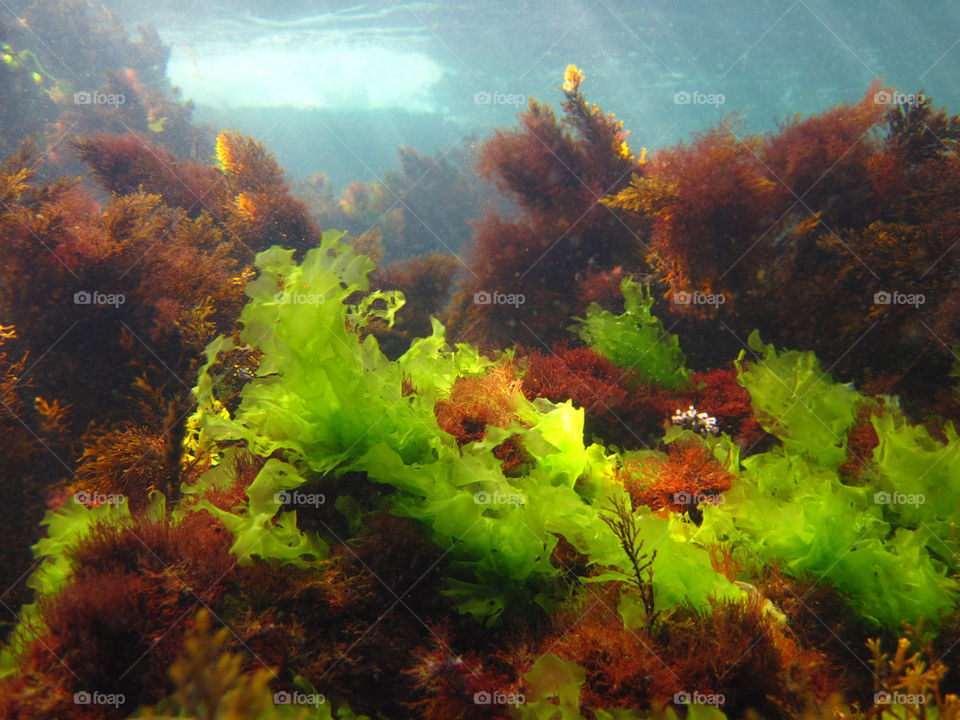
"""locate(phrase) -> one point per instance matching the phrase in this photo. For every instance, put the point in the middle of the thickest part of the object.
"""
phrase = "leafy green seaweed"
(326, 400)
(636, 338)
(881, 541)
(794, 399)
(785, 508)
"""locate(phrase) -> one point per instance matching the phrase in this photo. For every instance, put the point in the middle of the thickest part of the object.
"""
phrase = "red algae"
(687, 477)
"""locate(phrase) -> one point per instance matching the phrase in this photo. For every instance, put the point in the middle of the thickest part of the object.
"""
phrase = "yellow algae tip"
(157, 125)
(225, 155)
(572, 77)
(246, 205)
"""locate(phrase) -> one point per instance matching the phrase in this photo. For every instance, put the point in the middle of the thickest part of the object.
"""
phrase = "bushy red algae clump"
(116, 626)
(616, 407)
(25, 466)
(718, 393)
(861, 440)
(352, 624)
(555, 172)
(448, 683)
(133, 290)
(476, 402)
(688, 476)
(703, 203)
(129, 163)
(484, 400)
(149, 112)
(136, 268)
(247, 195)
(862, 194)
(578, 374)
(261, 210)
(736, 650)
(718, 208)
(620, 409)
(72, 69)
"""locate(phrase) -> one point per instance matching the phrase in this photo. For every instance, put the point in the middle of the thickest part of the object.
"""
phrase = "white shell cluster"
(698, 422)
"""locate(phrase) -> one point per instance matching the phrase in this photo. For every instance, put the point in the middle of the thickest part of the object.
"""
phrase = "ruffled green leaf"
(635, 339)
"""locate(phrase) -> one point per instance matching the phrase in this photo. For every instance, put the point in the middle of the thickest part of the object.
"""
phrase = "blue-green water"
(302, 75)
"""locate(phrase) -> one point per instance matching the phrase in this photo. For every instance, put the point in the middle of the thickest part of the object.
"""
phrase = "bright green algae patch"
(790, 505)
(784, 508)
(636, 338)
(326, 401)
(918, 475)
(794, 399)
